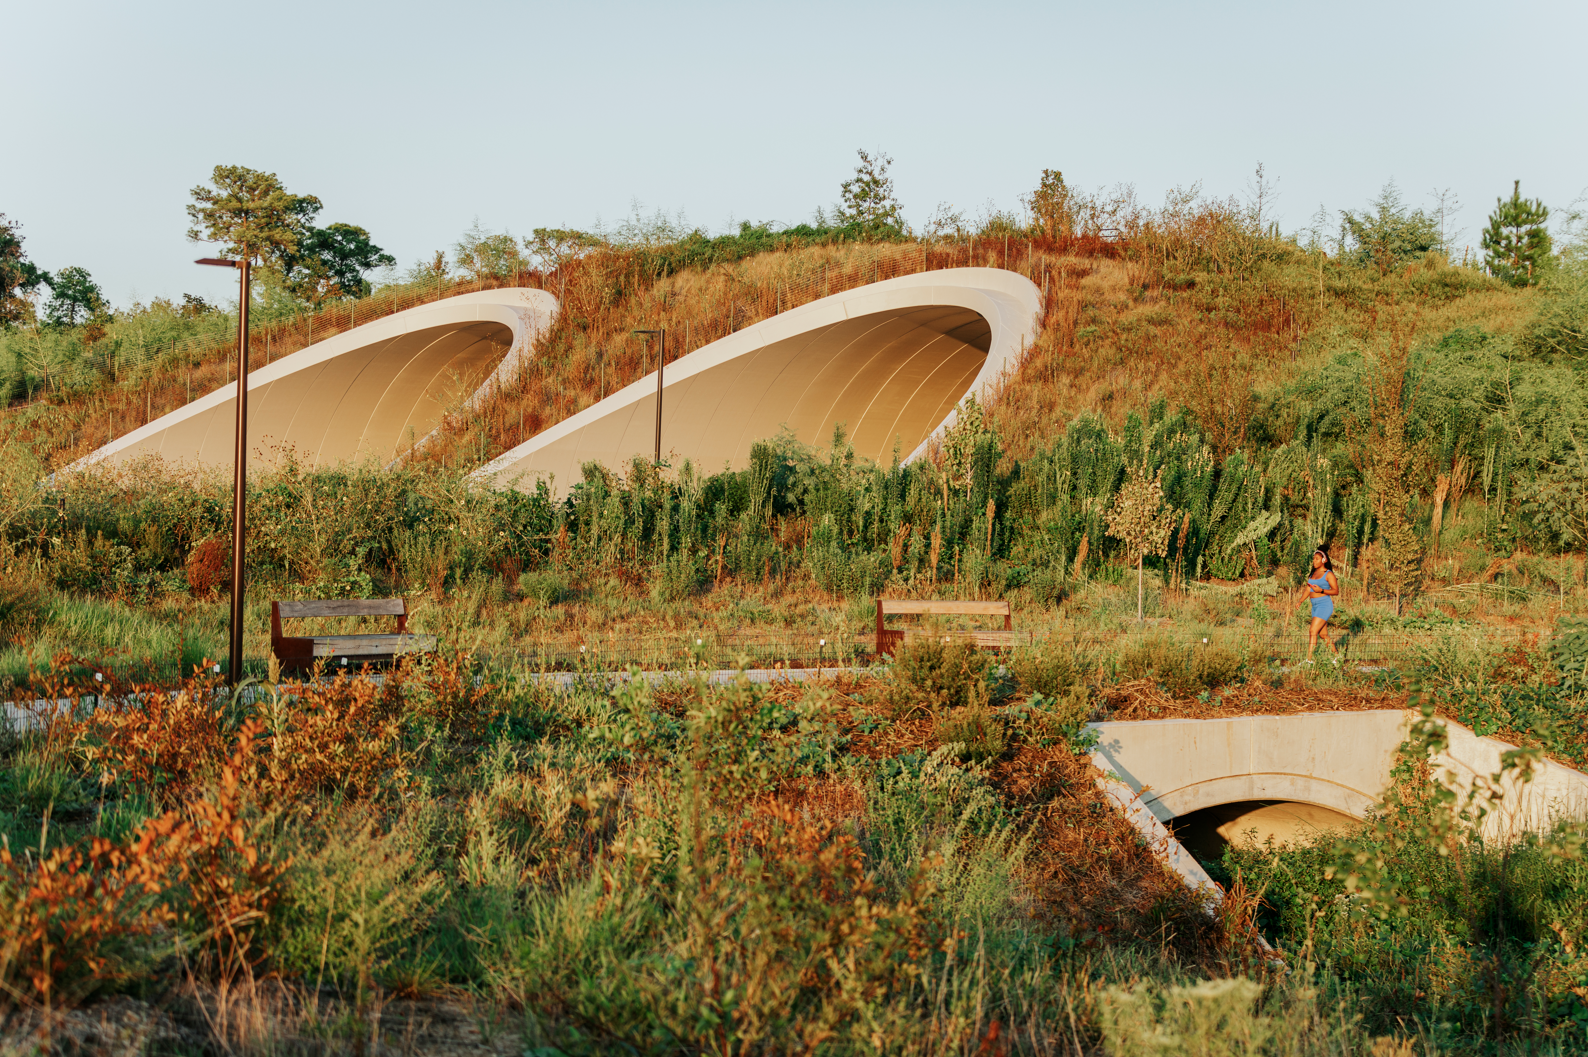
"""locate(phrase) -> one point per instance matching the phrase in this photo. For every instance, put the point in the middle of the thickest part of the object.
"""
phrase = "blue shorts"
(1322, 608)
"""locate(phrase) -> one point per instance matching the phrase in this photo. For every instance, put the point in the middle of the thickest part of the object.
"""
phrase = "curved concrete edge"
(526, 312)
(1159, 840)
(1011, 304)
(1299, 788)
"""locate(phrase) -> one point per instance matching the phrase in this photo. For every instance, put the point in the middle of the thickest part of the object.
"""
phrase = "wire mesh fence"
(843, 648)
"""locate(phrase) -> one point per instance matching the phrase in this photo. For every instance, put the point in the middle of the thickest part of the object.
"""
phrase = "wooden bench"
(890, 639)
(297, 653)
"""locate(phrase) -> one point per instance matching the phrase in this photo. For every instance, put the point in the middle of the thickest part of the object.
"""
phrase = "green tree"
(556, 247)
(1386, 234)
(331, 262)
(1050, 204)
(431, 272)
(869, 204)
(18, 275)
(1516, 242)
(484, 254)
(193, 306)
(1143, 521)
(251, 215)
(74, 298)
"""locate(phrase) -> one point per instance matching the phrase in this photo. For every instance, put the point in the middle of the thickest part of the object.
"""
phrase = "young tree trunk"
(1139, 591)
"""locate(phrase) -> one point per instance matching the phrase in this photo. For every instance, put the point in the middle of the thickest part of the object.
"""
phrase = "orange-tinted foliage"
(158, 741)
(196, 866)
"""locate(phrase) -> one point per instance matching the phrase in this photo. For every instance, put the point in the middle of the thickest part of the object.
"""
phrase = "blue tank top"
(1321, 583)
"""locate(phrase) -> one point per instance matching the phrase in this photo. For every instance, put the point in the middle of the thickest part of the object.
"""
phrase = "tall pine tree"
(1515, 243)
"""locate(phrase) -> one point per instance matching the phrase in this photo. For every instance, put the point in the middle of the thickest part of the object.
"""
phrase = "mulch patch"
(1144, 699)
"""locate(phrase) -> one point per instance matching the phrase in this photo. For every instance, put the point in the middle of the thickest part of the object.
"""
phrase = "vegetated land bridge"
(146, 380)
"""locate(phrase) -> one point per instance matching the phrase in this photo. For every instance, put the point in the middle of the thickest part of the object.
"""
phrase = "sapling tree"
(869, 202)
(1143, 520)
(1387, 234)
(1515, 243)
(1050, 204)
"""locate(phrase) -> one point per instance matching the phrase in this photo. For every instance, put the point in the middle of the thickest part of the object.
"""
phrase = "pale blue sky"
(414, 119)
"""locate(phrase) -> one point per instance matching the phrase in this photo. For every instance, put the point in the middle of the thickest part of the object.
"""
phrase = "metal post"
(661, 360)
(234, 671)
(240, 480)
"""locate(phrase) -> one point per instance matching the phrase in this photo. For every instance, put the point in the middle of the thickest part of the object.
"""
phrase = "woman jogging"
(1322, 586)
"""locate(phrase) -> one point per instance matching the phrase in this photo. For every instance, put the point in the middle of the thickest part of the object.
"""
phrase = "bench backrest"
(888, 606)
(343, 607)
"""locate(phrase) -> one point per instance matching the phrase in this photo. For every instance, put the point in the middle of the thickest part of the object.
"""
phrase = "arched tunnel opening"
(1206, 832)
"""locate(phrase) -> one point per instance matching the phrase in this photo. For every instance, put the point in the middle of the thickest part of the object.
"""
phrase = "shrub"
(1569, 652)
(68, 919)
(1047, 721)
(1180, 669)
(677, 578)
(93, 565)
(161, 744)
(342, 735)
(544, 587)
(1213, 1017)
(1050, 669)
(21, 603)
(355, 894)
(976, 730)
(934, 674)
(1213, 666)
(209, 566)
(1155, 658)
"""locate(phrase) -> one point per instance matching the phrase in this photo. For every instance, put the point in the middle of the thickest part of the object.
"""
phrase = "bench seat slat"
(357, 645)
(344, 607)
(390, 647)
(980, 638)
(945, 608)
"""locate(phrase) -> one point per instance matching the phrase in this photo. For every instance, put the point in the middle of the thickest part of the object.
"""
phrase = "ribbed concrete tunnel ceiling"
(369, 394)
(889, 362)
(886, 377)
(372, 403)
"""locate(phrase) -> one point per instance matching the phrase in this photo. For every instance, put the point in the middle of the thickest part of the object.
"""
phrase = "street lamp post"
(661, 359)
(234, 671)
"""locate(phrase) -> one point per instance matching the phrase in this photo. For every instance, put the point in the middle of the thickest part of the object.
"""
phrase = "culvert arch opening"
(1207, 831)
